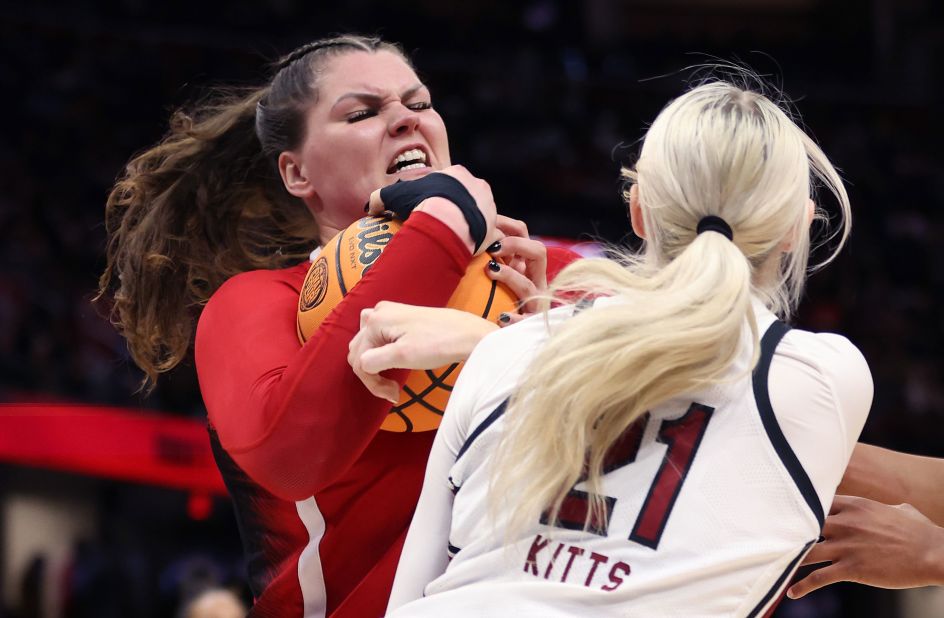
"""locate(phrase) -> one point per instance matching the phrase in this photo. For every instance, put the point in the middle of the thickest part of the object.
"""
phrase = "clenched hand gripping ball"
(342, 263)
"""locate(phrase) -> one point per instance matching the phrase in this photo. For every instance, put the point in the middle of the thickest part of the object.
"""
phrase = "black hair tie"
(402, 197)
(711, 223)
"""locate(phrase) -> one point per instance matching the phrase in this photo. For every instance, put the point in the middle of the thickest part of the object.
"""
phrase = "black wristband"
(402, 197)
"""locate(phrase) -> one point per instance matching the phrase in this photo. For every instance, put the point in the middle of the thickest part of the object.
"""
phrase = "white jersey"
(714, 498)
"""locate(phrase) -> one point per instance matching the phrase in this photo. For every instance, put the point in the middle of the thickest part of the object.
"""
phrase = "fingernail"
(367, 207)
(494, 266)
(504, 318)
(495, 246)
(790, 593)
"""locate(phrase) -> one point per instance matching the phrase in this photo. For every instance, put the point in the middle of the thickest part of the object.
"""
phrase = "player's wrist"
(481, 328)
(450, 215)
(466, 331)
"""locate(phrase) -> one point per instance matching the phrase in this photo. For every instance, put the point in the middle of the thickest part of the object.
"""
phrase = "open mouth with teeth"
(408, 160)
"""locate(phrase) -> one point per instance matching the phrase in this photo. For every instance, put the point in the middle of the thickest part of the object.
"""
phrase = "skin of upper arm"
(893, 478)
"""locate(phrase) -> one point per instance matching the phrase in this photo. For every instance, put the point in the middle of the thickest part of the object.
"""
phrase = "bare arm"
(893, 478)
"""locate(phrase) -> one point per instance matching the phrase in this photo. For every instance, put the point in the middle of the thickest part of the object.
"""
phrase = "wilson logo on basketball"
(372, 238)
(316, 283)
(343, 261)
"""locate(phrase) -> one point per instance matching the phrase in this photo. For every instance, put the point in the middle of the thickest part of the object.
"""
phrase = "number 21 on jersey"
(682, 437)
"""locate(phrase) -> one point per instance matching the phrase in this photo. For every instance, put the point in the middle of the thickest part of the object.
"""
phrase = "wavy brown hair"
(207, 202)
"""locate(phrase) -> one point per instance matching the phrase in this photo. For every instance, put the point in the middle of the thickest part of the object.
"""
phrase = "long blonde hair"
(717, 150)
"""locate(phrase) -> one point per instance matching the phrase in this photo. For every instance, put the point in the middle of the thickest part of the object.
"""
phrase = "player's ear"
(635, 212)
(294, 176)
(787, 245)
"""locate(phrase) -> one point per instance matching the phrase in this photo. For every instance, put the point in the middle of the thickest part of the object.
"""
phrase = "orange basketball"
(341, 264)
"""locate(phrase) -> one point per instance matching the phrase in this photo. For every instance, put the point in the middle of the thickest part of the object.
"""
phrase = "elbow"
(293, 481)
(289, 493)
(284, 472)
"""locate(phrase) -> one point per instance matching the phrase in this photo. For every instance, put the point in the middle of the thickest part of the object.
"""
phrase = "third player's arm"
(894, 478)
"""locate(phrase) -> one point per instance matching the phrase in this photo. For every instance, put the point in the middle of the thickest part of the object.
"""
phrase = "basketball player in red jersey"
(224, 212)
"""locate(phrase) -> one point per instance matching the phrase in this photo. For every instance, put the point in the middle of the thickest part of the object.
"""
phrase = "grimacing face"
(373, 124)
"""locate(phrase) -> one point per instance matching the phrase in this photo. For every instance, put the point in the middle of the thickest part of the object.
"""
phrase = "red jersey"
(323, 498)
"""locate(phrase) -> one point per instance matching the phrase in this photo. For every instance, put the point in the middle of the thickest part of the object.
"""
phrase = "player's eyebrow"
(375, 99)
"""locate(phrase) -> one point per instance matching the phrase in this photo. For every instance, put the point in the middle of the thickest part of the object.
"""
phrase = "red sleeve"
(296, 417)
(558, 258)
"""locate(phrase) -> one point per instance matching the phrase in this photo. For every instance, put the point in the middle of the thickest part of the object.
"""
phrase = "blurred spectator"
(215, 603)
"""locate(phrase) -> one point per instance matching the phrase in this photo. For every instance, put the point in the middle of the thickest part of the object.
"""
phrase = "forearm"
(893, 478)
(340, 415)
(449, 215)
(297, 419)
(872, 474)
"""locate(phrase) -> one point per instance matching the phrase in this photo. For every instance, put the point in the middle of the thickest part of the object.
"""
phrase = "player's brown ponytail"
(206, 203)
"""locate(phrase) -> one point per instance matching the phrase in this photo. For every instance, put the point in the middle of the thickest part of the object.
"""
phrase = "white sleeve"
(487, 377)
(821, 391)
(424, 556)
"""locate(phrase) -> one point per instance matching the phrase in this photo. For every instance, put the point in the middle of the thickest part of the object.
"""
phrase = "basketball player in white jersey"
(670, 448)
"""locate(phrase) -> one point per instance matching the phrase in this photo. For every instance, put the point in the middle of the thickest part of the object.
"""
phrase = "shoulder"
(253, 280)
(528, 333)
(503, 355)
(253, 292)
(820, 389)
(492, 372)
(254, 286)
(821, 376)
(830, 355)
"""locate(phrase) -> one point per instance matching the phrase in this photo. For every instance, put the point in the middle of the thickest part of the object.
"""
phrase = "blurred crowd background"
(545, 99)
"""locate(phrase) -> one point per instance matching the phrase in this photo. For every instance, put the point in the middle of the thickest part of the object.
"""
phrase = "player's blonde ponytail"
(716, 151)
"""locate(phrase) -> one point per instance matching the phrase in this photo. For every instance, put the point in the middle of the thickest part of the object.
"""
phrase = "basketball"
(342, 263)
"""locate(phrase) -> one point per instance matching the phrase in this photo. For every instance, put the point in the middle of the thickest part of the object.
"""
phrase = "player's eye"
(420, 105)
(360, 114)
